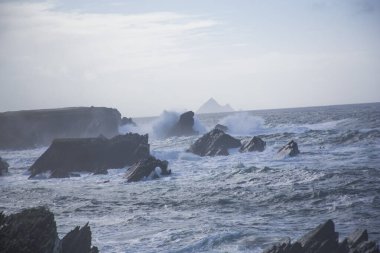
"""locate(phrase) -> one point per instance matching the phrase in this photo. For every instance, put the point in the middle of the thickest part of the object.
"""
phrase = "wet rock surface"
(147, 168)
(91, 154)
(324, 239)
(253, 144)
(214, 143)
(290, 149)
(184, 126)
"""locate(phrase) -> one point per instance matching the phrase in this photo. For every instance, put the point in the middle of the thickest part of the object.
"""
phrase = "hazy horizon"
(143, 57)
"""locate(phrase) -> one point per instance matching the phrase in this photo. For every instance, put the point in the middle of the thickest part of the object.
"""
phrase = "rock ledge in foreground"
(324, 239)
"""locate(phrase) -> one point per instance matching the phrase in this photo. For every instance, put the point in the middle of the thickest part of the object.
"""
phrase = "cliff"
(34, 128)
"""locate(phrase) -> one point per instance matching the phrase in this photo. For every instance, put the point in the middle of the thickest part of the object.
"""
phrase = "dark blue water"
(240, 203)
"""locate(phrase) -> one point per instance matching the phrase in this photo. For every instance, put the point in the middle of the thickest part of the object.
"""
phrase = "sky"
(146, 56)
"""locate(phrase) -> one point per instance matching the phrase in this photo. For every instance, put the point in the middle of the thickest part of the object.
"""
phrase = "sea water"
(237, 203)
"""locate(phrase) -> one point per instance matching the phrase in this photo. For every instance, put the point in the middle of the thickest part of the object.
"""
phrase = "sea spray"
(243, 124)
(159, 127)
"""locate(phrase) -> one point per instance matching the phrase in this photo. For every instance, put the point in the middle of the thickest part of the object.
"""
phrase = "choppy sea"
(238, 203)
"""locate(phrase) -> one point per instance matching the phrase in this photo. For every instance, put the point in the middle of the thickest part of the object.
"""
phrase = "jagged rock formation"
(211, 106)
(3, 167)
(290, 149)
(33, 128)
(253, 144)
(215, 142)
(146, 168)
(34, 230)
(91, 154)
(324, 239)
(78, 240)
(184, 126)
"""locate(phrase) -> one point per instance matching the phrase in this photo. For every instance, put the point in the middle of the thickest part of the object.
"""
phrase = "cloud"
(65, 57)
(72, 40)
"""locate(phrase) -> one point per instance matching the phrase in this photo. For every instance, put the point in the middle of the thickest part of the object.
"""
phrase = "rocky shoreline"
(39, 234)
(324, 239)
(35, 230)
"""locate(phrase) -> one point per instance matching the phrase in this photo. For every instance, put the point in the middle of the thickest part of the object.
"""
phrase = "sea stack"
(184, 126)
(65, 156)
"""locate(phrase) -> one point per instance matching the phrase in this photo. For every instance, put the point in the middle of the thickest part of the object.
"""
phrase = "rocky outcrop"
(290, 149)
(214, 143)
(127, 121)
(147, 168)
(184, 126)
(29, 129)
(253, 144)
(3, 167)
(324, 239)
(78, 240)
(34, 230)
(91, 154)
(221, 127)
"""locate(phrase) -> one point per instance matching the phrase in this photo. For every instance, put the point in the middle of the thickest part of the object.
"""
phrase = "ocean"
(243, 202)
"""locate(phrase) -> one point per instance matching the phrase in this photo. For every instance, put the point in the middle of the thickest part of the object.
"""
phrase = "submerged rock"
(253, 144)
(147, 168)
(215, 142)
(3, 167)
(34, 128)
(290, 149)
(91, 154)
(184, 126)
(34, 230)
(324, 239)
(221, 127)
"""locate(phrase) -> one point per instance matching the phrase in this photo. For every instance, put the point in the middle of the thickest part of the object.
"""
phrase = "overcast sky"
(145, 56)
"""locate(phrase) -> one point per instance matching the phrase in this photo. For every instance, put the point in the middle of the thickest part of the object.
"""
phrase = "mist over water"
(239, 203)
(158, 127)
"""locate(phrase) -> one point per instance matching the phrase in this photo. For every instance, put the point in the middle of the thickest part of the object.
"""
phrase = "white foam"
(243, 124)
(159, 127)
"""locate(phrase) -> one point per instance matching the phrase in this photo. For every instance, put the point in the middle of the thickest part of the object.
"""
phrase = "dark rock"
(221, 127)
(290, 149)
(3, 167)
(320, 235)
(184, 126)
(366, 247)
(146, 168)
(358, 236)
(324, 239)
(78, 240)
(91, 154)
(215, 142)
(285, 247)
(253, 144)
(29, 129)
(127, 121)
(32, 230)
